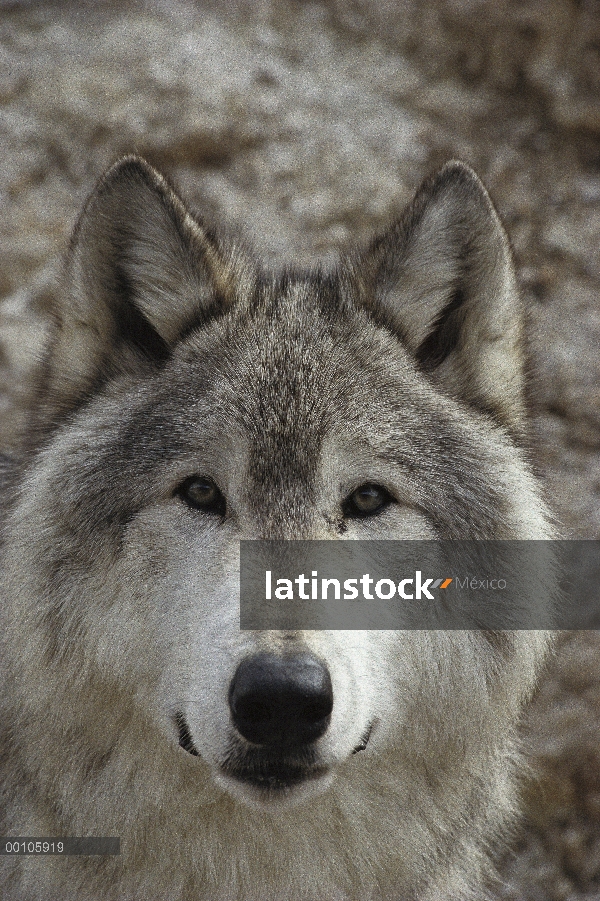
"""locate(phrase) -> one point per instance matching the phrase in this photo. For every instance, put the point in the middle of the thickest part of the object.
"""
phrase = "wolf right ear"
(140, 271)
(443, 279)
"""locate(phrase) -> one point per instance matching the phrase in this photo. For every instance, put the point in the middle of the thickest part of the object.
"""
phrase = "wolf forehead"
(284, 374)
(297, 353)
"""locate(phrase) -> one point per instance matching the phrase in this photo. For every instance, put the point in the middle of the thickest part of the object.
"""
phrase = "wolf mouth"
(273, 777)
(272, 767)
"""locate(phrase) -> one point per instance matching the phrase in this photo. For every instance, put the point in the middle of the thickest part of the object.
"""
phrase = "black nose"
(282, 701)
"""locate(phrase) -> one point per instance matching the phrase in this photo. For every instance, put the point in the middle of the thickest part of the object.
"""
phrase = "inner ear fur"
(443, 279)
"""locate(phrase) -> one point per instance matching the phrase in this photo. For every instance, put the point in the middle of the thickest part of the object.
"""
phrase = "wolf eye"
(202, 494)
(366, 501)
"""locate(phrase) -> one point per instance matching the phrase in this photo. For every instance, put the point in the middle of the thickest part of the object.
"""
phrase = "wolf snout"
(281, 701)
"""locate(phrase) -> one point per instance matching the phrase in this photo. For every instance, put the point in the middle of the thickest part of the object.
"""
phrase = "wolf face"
(190, 399)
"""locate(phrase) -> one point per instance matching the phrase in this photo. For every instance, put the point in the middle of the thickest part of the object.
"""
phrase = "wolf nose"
(282, 701)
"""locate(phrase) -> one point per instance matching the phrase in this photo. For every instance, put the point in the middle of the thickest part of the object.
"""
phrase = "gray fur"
(175, 354)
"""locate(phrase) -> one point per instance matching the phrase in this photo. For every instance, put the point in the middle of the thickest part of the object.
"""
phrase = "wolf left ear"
(140, 271)
(443, 279)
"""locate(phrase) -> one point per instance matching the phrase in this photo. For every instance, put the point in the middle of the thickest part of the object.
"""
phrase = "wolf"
(190, 398)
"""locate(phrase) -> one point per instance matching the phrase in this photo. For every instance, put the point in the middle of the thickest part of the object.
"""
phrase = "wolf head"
(190, 399)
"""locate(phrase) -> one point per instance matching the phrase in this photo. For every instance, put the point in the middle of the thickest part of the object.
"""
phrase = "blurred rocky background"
(305, 126)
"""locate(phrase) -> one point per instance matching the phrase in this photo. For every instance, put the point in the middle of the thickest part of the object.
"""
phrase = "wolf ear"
(140, 270)
(443, 279)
